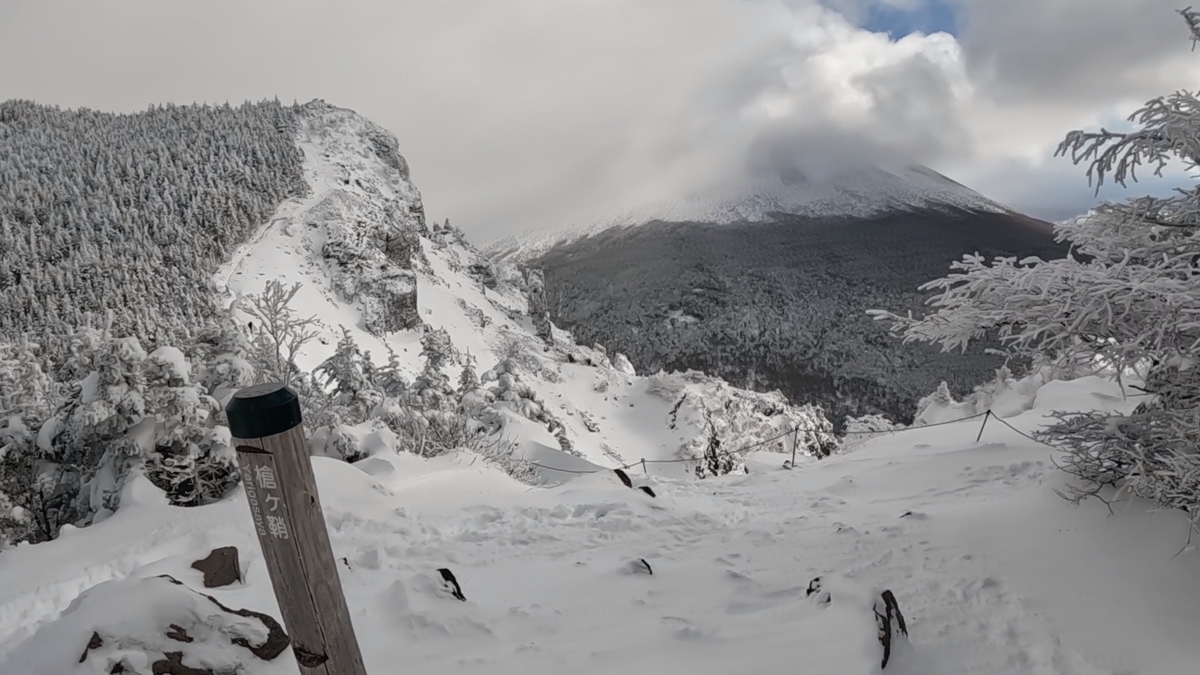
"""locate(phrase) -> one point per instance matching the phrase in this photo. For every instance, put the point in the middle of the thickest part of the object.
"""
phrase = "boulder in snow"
(148, 627)
(220, 567)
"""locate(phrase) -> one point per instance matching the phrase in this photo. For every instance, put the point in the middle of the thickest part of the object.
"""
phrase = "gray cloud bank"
(525, 114)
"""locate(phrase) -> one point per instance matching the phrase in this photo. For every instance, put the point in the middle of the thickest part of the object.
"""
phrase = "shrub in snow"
(717, 461)
(740, 419)
(191, 461)
(148, 627)
(130, 411)
(507, 390)
(1126, 294)
(870, 424)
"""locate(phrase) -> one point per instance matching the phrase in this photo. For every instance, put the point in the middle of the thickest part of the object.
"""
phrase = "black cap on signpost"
(263, 410)
(285, 508)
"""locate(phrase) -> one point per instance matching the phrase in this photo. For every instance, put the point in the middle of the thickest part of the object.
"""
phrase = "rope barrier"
(731, 453)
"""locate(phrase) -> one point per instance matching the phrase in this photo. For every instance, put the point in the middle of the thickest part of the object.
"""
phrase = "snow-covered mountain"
(768, 285)
(855, 193)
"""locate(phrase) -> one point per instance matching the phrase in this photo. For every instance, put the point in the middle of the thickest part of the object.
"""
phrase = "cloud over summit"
(537, 113)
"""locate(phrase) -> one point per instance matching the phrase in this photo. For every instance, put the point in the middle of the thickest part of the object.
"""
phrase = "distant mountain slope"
(780, 301)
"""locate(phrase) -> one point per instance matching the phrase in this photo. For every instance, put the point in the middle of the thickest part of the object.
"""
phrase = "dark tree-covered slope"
(783, 304)
(130, 214)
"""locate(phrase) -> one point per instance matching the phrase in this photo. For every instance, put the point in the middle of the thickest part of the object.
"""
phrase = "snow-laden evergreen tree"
(93, 441)
(1128, 294)
(432, 386)
(351, 377)
(539, 307)
(192, 459)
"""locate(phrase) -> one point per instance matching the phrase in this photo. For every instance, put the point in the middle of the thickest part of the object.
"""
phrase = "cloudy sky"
(520, 114)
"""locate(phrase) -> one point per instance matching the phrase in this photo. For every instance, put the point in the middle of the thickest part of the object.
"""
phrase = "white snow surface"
(995, 573)
(859, 193)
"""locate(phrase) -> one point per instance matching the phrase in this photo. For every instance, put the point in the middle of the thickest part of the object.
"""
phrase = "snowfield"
(994, 572)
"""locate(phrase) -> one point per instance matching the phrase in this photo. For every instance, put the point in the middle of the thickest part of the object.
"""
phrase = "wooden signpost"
(278, 479)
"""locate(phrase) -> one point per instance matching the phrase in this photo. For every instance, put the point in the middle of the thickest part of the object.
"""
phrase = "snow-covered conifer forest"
(597, 518)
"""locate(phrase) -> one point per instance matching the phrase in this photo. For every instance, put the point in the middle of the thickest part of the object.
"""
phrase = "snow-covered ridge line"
(855, 194)
(334, 240)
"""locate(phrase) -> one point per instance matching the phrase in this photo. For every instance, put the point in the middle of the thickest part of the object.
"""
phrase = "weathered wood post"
(795, 442)
(278, 479)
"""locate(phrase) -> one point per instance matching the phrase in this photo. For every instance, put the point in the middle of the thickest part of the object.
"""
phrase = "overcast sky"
(520, 114)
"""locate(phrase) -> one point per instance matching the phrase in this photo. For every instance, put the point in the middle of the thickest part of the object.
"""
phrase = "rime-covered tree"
(432, 386)
(350, 375)
(279, 332)
(539, 307)
(1128, 293)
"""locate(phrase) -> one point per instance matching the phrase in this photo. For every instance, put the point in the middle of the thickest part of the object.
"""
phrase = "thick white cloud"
(535, 113)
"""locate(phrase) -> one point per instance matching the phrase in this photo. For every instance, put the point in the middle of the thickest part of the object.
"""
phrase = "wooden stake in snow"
(278, 479)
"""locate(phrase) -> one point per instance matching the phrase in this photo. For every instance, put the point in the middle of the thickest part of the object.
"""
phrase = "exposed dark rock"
(890, 622)
(220, 568)
(452, 583)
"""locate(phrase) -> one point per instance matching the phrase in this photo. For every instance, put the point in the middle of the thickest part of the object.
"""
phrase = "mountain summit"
(861, 192)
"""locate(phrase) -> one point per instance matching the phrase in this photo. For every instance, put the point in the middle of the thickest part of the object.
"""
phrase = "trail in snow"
(995, 574)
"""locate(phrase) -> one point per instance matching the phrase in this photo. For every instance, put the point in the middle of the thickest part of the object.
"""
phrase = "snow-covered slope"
(859, 193)
(612, 416)
(996, 575)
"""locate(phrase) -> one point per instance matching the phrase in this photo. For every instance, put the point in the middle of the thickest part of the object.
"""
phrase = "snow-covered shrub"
(870, 424)
(1128, 292)
(716, 460)
(740, 419)
(432, 433)
(128, 411)
(192, 460)
(507, 390)
(498, 452)
(1153, 453)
